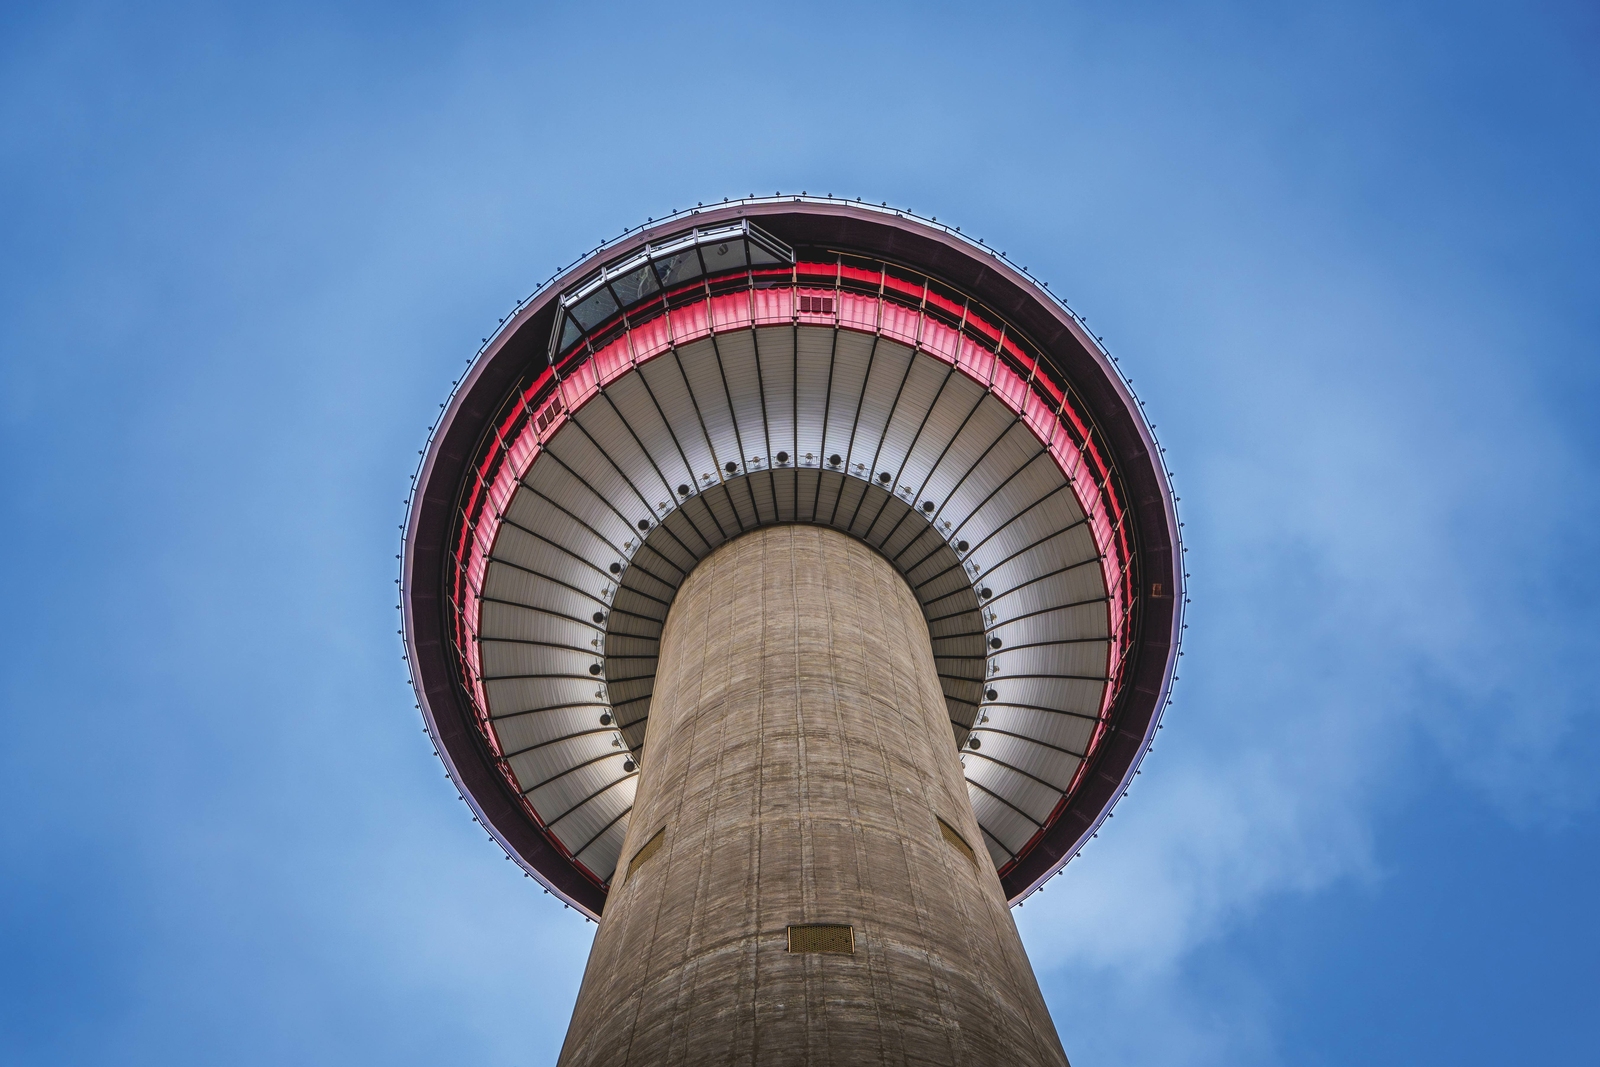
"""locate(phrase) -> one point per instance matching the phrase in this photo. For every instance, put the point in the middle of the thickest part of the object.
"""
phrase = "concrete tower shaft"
(802, 772)
(789, 587)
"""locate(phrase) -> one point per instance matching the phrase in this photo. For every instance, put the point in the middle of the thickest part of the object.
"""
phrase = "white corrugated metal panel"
(743, 398)
(1040, 763)
(558, 491)
(591, 454)
(669, 392)
(629, 401)
(852, 359)
(546, 726)
(918, 393)
(999, 820)
(775, 363)
(1060, 729)
(890, 364)
(741, 380)
(598, 812)
(703, 373)
(814, 362)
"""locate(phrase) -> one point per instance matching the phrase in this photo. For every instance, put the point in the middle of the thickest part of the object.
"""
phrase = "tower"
(791, 586)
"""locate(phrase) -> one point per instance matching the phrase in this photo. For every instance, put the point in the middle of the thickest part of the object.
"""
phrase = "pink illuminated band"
(879, 301)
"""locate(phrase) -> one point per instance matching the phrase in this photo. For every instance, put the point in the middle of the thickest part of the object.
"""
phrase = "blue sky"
(1348, 253)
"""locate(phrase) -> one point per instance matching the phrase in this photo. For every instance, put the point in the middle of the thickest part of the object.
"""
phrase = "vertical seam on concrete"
(754, 885)
(692, 727)
(677, 680)
(872, 950)
(672, 849)
(808, 901)
(919, 904)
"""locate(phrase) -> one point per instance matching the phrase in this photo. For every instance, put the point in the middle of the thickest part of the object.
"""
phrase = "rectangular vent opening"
(816, 305)
(651, 847)
(822, 937)
(949, 834)
(548, 415)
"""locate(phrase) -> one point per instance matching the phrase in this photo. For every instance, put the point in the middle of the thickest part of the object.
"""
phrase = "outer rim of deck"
(521, 344)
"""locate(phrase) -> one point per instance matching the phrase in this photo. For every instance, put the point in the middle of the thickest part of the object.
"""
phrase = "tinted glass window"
(634, 286)
(760, 256)
(680, 268)
(724, 255)
(570, 333)
(595, 309)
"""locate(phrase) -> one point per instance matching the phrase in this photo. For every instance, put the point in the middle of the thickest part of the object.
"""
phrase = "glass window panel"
(679, 268)
(634, 286)
(595, 309)
(760, 256)
(569, 333)
(724, 255)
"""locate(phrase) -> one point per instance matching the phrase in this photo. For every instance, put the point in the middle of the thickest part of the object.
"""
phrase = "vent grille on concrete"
(960, 843)
(820, 937)
(651, 847)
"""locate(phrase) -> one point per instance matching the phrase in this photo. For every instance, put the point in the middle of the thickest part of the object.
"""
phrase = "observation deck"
(773, 362)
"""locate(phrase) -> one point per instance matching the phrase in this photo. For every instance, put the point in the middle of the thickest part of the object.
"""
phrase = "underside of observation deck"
(789, 363)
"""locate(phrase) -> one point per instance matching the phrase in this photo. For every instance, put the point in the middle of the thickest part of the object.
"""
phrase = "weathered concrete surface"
(799, 758)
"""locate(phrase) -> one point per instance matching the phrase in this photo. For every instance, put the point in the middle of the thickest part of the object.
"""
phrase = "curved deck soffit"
(561, 507)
